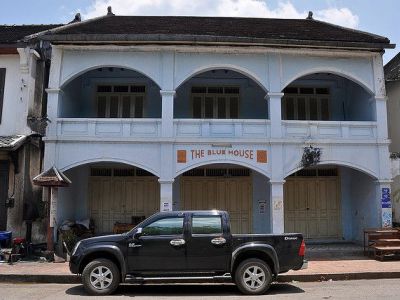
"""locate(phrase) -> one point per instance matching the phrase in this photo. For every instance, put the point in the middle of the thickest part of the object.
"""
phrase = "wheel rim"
(254, 277)
(101, 277)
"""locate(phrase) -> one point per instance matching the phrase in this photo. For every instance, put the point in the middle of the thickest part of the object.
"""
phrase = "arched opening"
(327, 97)
(220, 94)
(330, 202)
(241, 191)
(108, 193)
(110, 92)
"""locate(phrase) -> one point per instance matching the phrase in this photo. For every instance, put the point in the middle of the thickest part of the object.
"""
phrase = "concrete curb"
(72, 279)
(338, 277)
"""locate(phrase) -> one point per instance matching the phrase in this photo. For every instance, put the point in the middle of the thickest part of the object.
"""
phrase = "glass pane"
(209, 108)
(104, 89)
(101, 106)
(126, 107)
(139, 107)
(234, 108)
(325, 109)
(168, 226)
(322, 91)
(306, 91)
(289, 108)
(114, 107)
(313, 109)
(121, 89)
(301, 108)
(197, 107)
(216, 90)
(221, 108)
(206, 225)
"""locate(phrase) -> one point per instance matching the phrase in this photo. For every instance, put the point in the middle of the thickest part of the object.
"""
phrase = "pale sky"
(379, 17)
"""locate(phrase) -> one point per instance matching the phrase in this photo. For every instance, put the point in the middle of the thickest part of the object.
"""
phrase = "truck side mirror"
(138, 233)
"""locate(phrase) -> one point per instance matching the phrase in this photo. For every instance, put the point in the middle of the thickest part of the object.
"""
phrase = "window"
(215, 102)
(306, 103)
(206, 225)
(168, 226)
(120, 101)
(2, 82)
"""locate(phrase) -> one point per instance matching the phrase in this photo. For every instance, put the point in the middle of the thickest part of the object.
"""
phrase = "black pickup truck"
(186, 246)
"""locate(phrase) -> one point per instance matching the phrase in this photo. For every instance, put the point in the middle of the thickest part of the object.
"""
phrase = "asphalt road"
(360, 289)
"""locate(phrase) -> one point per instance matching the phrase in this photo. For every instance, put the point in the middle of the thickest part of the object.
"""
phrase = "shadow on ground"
(176, 290)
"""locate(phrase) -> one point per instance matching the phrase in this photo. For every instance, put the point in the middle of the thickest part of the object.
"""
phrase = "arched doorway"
(233, 188)
(330, 202)
(110, 92)
(220, 94)
(108, 193)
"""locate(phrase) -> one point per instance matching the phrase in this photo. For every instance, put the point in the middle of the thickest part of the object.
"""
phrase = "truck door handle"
(177, 242)
(218, 241)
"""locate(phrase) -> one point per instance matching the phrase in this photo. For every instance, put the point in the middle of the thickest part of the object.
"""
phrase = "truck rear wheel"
(253, 276)
(101, 277)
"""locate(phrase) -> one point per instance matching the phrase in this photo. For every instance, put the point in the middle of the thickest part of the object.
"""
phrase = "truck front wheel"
(100, 277)
(253, 276)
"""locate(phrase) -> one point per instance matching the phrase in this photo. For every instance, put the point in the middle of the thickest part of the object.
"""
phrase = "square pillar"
(381, 117)
(166, 194)
(275, 113)
(384, 203)
(167, 115)
(52, 111)
(277, 212)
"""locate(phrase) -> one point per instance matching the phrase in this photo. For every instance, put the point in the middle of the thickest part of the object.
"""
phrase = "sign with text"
(185, 155)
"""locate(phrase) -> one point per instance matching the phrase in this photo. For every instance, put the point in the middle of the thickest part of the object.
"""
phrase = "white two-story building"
(171, 113)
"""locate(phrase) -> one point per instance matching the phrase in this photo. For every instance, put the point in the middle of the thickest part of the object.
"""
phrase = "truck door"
(160, 249)
(208, 246)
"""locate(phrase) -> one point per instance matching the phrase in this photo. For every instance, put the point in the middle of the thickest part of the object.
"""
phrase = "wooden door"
(312, 206)
(117, 199)
(231, 194)
(3, 193)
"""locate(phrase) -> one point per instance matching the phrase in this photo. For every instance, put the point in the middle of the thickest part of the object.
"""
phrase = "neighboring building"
(169, 113)
(392, 78)
(22, 73)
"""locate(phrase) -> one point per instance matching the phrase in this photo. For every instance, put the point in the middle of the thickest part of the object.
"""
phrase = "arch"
(108, 160)
(232, 162)
(339, 163)
(332, 70)
(235, 68)
(73, 76)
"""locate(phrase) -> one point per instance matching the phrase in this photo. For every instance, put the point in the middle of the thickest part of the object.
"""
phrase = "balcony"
(354, 130)
(222, 128)
(108, 128)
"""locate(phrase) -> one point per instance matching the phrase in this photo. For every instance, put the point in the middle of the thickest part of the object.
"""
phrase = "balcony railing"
(214, 128)
(124, 128)
(329, 129)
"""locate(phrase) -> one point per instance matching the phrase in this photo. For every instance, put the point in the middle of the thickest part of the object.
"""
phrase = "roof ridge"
(65, 26)
(351, 29)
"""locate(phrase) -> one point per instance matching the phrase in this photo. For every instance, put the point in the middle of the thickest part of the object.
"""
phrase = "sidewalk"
(318, 270)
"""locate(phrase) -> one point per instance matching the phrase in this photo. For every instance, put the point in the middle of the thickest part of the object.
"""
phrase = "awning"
(11, 142)
(52, 177)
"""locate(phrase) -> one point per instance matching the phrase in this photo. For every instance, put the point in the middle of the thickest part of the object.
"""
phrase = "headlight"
(75, 248)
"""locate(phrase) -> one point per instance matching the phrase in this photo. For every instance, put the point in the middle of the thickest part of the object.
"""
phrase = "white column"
(384, 203)
(167, 121)
(53, 96)
(275, 113)
(277, 213)
(381, 117)
(165, 194)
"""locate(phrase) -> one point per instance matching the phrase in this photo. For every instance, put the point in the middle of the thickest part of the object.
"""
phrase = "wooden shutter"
(2, 81)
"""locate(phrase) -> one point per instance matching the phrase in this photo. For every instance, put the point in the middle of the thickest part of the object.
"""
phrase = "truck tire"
(253, 276)
(101, 277)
